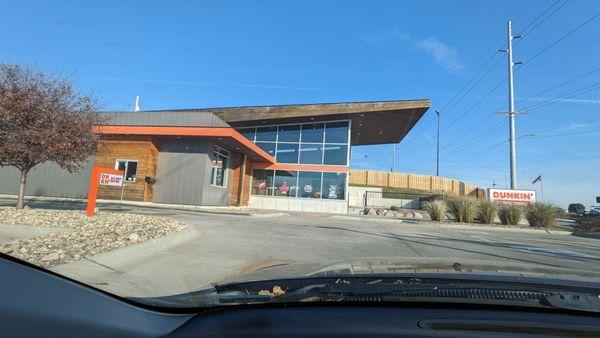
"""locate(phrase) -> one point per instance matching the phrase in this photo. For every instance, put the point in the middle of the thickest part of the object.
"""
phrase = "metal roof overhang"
(229, 138)
(375, 122)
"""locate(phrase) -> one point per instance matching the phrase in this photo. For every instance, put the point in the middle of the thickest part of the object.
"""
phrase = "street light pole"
(394, 158)
(437, 167)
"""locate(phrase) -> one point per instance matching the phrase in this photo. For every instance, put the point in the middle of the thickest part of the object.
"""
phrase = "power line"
(484, 132)
(568, 95)
(546, 18)
(476, 104)
(560, 85)
(523, 31)
(571, 32)
(565, 134)
(452, 102)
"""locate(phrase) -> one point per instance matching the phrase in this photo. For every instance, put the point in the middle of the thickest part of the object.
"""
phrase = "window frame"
(127, 168)
(213, 166)
(321, 198)
(323, 144)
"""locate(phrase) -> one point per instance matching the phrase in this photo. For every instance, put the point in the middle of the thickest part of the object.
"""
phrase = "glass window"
(262, 182)
(289, 133)
(336, 132)
(220, 163)
(269, 147)
(309, 184)
(285, 183)
(287, 153)
(335, 154)
(334, 186)
(312, 132)
(248, 133)
(311, 153)
(266, 134)
(129, 167)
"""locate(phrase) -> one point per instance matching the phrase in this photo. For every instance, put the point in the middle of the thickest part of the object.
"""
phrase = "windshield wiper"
(422, 292)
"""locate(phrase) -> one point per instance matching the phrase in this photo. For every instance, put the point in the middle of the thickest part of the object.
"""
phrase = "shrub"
(510, 214)
(487, 212)
(395, 208)
(463, 209)
(540, 214)
(436, 210)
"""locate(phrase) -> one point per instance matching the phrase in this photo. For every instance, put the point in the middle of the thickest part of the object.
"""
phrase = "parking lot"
(215, 246)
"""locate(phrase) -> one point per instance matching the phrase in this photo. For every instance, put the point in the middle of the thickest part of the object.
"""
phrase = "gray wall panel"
(48, 179)
(164, 118)
(183, 174)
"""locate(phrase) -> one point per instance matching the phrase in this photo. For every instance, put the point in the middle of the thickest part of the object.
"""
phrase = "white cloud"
(443, 54)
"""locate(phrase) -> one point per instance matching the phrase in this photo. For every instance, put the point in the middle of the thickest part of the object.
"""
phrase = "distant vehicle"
(576, 209)
(594, 210)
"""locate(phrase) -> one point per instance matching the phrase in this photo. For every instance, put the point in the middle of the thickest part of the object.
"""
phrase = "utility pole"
(437, 166)
(511, 108)
(394, 158)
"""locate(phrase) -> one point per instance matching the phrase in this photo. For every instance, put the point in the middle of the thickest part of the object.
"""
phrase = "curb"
(196, 208)
(453, 226)
(164, 243)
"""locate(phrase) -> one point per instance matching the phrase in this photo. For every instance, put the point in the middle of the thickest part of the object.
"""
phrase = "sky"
(198, 54)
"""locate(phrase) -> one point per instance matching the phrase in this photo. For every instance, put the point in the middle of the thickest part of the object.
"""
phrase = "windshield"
(165, 152)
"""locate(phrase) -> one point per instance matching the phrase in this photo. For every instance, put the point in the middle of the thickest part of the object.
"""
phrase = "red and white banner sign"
(511, 196)
(111, 179)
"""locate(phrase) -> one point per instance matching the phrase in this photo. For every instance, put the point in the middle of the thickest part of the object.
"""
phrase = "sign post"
(101, 176)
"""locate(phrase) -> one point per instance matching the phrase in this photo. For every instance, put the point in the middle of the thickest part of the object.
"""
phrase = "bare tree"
(43, 119)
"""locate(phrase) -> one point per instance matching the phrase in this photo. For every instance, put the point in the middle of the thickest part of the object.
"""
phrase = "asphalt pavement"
(215, 247)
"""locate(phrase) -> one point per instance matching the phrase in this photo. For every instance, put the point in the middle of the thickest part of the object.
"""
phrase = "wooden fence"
(434, 184)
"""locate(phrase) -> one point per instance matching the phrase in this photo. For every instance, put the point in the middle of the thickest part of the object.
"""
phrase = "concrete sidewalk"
(15, 232)
(453, 225)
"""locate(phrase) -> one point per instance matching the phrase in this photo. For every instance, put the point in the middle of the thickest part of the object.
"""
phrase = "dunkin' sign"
(511, 196)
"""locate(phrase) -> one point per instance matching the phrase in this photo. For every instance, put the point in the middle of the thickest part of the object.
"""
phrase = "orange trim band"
(185, 131)
(300, 167)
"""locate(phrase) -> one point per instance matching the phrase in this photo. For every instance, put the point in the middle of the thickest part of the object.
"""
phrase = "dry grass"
(436, 210)
(463, 209)
(510, 214)
(540, 214)
(487, 212)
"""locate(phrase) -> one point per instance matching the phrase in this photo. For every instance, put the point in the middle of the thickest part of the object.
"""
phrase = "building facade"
(291, 157)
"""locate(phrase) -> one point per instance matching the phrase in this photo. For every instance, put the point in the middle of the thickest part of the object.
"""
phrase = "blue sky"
(192, 54)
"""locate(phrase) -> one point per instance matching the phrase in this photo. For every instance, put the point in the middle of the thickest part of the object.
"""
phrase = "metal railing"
(386, 200)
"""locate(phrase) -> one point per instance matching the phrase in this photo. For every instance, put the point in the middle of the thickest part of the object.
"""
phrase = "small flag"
(537, 179)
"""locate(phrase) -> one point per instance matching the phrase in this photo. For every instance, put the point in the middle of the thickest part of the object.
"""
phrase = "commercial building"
(288, 157)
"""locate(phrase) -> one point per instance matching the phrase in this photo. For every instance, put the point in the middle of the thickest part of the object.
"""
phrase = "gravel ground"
(88, 236)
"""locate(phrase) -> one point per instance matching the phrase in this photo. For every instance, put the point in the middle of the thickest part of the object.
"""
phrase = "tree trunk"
(21, 198)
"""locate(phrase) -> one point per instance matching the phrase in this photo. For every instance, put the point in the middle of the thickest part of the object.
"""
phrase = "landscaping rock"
(418, 215)
(390, 213)
(380, 212)
(88, 236)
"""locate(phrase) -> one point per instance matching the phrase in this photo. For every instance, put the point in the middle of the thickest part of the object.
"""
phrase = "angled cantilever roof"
(373, 122)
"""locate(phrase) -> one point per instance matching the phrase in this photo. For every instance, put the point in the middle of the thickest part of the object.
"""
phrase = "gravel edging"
(87, 236)
(462, 226)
